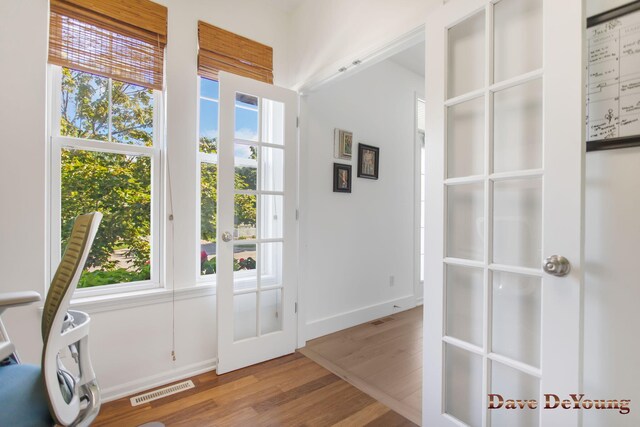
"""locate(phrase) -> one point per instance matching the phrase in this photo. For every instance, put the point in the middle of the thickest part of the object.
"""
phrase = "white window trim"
(57, 143)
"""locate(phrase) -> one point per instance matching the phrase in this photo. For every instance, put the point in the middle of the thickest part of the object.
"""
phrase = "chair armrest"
(15, 299)
(6, 349)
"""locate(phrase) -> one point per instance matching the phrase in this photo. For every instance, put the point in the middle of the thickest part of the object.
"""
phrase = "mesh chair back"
(72, 260)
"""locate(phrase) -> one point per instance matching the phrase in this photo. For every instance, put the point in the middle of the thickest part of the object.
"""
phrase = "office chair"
(51, 393)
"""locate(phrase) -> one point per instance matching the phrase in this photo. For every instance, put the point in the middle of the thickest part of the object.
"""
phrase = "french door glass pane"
(513, 384)
(208, 217)
(271, 169)
(272, 122)
(463, 385)
(464, 302)
(465, 221)
(465, 138)
(245, 216)
(516, 317)
(518, 127)
(246, 114)
(270, 311)
(244, 316)
(271, 217)
(246, 161)
(466, 55)
(517, 222)
(271, 264)
(517, 37)
(245, 263)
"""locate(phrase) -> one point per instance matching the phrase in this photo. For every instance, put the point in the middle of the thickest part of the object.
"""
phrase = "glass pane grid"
(525, 371)
(260, 164)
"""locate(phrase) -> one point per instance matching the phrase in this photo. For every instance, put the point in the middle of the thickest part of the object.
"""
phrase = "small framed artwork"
(368, 161)
(343, 144)
(341, 178)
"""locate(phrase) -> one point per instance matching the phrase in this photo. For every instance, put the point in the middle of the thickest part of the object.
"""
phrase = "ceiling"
(287, 6)
(412, 58)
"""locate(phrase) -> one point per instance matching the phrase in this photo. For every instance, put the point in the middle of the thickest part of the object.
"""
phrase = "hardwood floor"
(383, 358)
(290, 391)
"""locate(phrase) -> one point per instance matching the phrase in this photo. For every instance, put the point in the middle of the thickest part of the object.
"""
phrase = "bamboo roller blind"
(121, 39)
(221, 50)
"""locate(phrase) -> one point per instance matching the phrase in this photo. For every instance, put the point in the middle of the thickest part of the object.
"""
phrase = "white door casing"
(504, 190)
(257, 318)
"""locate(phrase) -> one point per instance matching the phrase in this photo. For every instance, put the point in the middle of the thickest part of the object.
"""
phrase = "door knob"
(226, 236)
(556, 265)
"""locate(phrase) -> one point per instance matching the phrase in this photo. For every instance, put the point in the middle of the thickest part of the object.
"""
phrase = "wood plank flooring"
(383, 358)
(289, 391)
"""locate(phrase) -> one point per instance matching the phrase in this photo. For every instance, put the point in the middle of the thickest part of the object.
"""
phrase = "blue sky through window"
(246, 112)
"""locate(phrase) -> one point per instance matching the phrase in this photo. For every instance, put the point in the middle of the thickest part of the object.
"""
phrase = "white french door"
(257, 250)
(505, 152)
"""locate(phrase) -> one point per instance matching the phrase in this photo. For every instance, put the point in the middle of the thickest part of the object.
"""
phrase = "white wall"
(131, 344)
(328, 34)
(352, 243)
(612, 288)
(22, 161)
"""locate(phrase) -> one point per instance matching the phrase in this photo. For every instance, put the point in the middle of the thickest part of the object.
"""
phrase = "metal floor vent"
(381, 321)
(161, 392)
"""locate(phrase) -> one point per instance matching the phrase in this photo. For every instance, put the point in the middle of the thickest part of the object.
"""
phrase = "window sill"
(123, 301)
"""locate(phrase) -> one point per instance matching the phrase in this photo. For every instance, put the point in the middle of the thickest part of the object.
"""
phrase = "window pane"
(270, 311)
(246, 162)
(208, 135)
(271, 264)
(465, 220)
(208, 217)
(131, 114)
(244, 316)
(466, 55)
(272, 169)
(245, 217)
(118, 186)
(463, 385)
(272, 122)
(246, 117)
(209, 88)
(84, 110)
(245, 262)
(271, 217)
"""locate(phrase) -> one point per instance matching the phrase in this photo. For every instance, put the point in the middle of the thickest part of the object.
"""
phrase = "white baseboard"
(329, 325)
(116, 392)
(419, 301)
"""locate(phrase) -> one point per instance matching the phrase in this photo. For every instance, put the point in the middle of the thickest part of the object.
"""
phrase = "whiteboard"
(613, 77)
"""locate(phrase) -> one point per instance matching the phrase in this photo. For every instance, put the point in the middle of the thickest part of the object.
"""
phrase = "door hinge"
(297, 214)
(297, 122)
(295, 307)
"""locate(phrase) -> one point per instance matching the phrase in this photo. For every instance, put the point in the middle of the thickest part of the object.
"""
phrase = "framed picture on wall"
(341, 178)
(343, 144)
(368, 161)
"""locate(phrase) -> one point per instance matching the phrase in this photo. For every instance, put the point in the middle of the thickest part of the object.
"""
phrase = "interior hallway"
(382, 358)
(288, 391)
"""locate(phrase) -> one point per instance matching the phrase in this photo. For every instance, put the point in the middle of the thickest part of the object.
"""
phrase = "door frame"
(326, 76)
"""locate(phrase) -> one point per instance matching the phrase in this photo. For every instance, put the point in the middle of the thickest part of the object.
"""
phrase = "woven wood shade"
(121, 39)
(221, 50)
